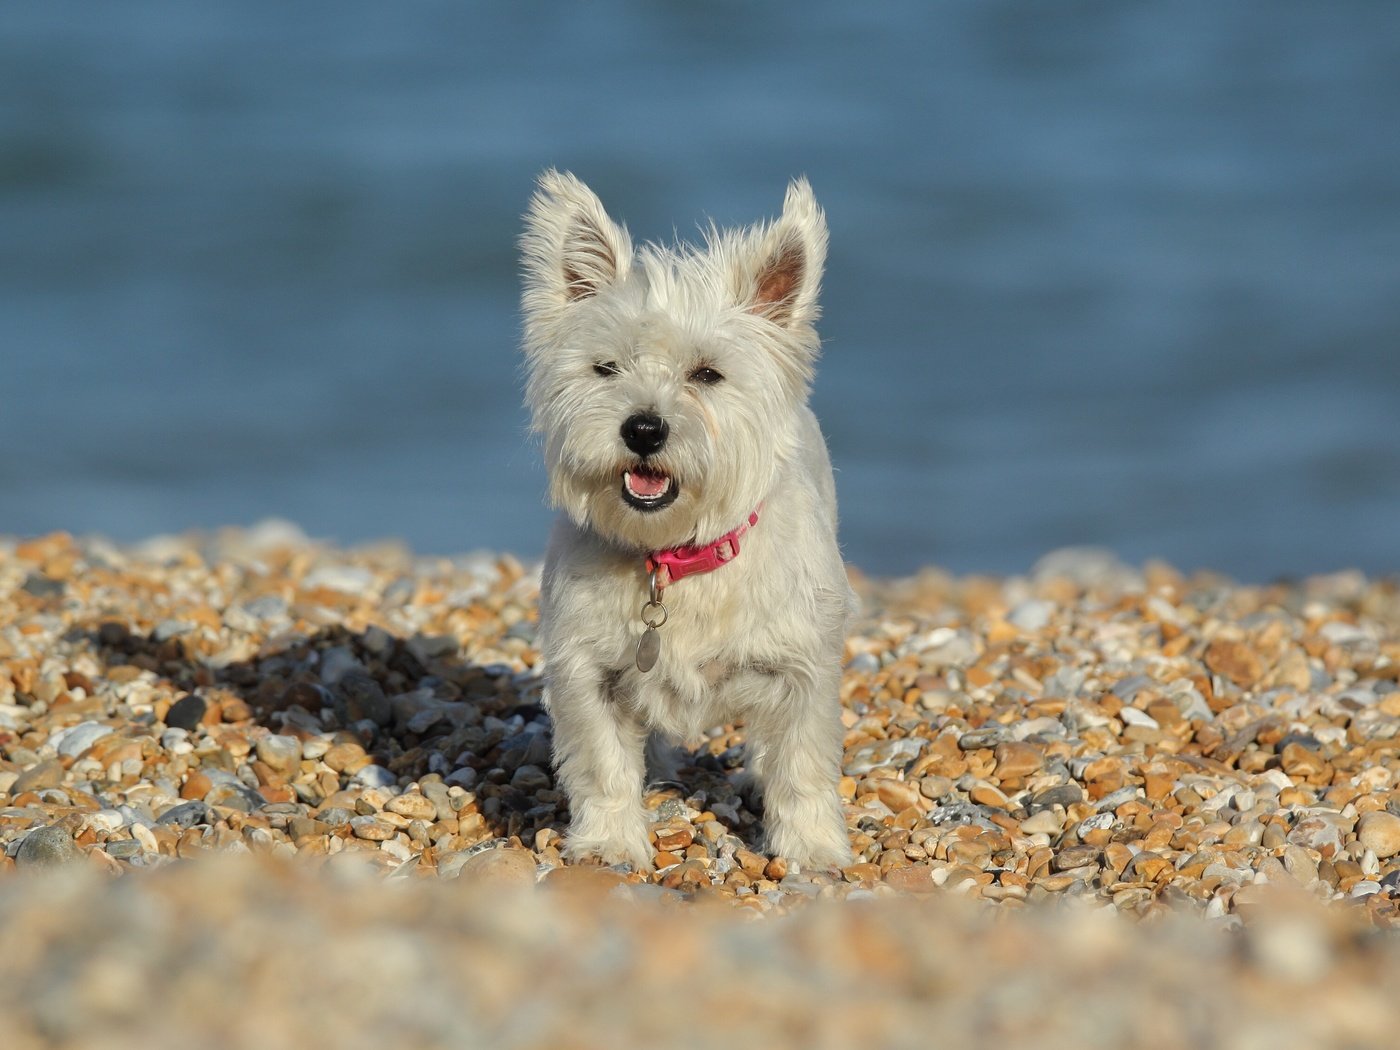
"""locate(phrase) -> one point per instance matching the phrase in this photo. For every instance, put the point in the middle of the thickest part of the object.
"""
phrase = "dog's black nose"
(644, 433)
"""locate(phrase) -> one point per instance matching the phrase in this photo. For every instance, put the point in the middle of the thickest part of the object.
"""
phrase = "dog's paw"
(637, 855)
(614, 840)
(819, 841)
(810, 856)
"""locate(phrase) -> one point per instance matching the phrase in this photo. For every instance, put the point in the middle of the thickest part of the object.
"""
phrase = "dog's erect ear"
(572, 250)
(784, 270)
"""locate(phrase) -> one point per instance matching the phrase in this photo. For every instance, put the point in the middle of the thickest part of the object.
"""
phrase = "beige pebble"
(500, 867)
(1379, 831)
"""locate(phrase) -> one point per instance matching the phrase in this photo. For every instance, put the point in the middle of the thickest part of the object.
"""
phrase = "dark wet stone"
(186, 712)
(303, 694)
(48, 847)
(113, 635)
(122, 849)
(186, 815)
(359, 697)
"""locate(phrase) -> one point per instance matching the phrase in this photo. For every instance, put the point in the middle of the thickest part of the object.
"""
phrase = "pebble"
(884, 754)
(1143, 739)
(186, 815)
(41, 775)
(73, 742)
(1032, 615)
(47, 847)
(499, 867)
(187, 712)
(282, 754)
(1379, 832)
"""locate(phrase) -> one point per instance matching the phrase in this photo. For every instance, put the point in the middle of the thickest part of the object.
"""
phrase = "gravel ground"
(1216, 762)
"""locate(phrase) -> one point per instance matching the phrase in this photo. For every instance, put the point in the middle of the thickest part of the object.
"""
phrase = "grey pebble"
(40, 586)
(235, 796)
(1065, 795)
(1114, 799)
(267, 607)
(186, 815)
(864, 663)
(986, 736)
(167, 629)
(1032, 615)
(74, 741)
(958, 814)
(897, 753)
(47, 847)
(358, 696)
(336, 663)
(373, 776)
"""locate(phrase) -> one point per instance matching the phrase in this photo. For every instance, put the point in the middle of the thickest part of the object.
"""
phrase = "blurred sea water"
(1116, 274)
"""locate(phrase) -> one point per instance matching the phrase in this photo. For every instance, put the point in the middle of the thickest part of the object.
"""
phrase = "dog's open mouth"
(648, 489)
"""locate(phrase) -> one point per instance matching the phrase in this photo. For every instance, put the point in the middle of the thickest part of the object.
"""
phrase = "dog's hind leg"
(598, 751)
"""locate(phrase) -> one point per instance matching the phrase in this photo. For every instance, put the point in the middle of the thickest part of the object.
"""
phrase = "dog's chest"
(706, 646)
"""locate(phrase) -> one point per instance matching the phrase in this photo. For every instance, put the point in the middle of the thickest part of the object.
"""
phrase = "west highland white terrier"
(694, 577)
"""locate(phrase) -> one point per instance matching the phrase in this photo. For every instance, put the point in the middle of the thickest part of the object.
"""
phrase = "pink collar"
(676, 563)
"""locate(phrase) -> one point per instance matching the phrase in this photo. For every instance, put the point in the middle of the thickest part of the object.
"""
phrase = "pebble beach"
(303, 793)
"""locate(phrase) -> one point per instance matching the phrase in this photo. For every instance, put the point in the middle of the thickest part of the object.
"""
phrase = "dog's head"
(666, 382)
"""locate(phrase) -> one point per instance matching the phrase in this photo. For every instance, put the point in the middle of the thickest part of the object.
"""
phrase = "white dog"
(694, 577)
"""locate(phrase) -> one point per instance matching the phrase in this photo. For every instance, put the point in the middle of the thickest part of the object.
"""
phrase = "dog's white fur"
(759, 639)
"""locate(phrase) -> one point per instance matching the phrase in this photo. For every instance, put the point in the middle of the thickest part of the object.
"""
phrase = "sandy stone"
(1379, 831)
(1045, 822)
(750, 862)
(500, 867)
(586, 881)
(913, 879)
(282, 754)
(41, 775)
(898, 794)
(1016, 760)
(346, 758)
(196, 787)
(1235, 661)
(413, 806)
(674, 838)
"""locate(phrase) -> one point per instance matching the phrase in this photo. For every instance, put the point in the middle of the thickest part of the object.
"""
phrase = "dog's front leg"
(794, 741)
(598, 752)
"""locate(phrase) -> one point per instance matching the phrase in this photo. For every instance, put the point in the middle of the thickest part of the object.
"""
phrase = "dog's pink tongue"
(648, 484)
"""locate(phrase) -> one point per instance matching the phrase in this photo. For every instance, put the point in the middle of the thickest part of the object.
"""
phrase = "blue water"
(1109, 273)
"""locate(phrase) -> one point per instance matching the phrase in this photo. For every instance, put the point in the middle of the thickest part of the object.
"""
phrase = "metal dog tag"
(653, 615)
(648, 649)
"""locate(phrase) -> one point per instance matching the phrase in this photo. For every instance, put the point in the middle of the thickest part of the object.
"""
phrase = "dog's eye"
(708, 376)
(606, 368)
